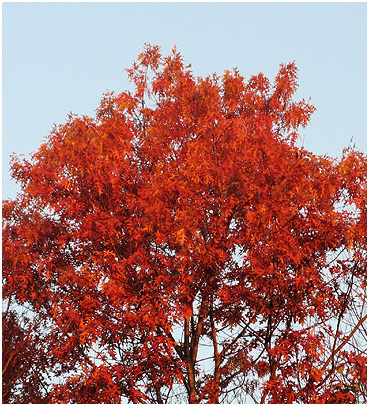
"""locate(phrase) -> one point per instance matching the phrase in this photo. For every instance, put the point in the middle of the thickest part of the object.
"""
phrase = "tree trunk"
(192, 397)
(217, 359)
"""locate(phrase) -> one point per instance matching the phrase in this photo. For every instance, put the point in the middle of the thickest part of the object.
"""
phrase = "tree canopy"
(183, 247)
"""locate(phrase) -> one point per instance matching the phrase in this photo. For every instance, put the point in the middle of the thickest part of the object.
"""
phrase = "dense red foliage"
(184, 222)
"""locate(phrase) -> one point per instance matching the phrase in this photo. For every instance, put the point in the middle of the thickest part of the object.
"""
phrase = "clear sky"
(61, 57)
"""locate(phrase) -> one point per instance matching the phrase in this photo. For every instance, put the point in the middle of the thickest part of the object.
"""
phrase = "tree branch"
(345, 341)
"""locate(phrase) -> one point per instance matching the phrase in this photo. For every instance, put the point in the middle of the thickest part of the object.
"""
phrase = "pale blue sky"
(61, 57)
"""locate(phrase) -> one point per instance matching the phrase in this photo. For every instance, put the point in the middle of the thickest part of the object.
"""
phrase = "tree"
(182, 247)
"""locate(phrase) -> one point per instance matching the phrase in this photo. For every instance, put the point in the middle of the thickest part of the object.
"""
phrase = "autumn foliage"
(182, 246)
